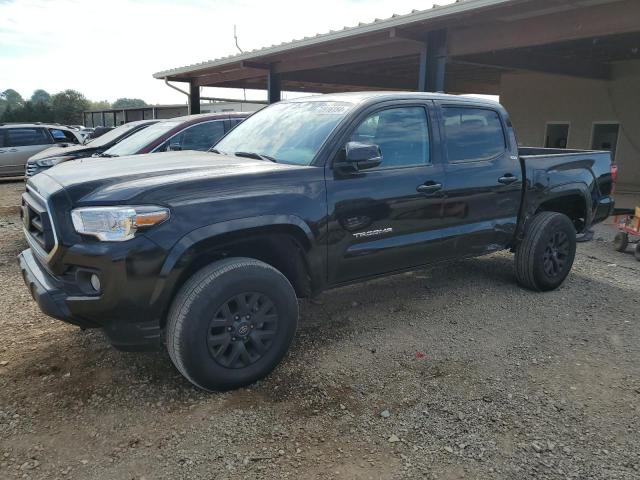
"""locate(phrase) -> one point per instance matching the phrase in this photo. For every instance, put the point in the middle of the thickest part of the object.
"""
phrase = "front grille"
(37, 221)
(32, 169)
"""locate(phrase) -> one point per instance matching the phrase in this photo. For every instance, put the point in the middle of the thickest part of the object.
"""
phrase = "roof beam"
(530, 61)
(585, 22)
(240, 73)
(336, 77)
(385, 51)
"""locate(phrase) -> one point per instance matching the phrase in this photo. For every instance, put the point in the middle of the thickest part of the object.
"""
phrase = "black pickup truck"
(208, 252)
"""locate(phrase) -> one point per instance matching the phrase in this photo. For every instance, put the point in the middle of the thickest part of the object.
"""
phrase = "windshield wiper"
(215, 150)
(107, 155)
(257, 156)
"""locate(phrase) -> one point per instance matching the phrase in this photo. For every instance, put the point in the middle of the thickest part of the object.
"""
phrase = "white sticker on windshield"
(331, 108)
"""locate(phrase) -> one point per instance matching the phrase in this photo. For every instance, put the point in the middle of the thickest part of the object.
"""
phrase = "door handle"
(429, 187)
(508, 179)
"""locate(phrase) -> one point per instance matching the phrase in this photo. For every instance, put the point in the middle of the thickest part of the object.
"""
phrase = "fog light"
(95, 282)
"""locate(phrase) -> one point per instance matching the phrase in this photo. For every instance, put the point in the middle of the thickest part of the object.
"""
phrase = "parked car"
(19, 141)
(54, 155)
(207, 252)
(191, 132)
(98, 132)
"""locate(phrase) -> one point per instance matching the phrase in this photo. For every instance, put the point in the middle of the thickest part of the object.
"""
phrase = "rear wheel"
(621, 241)
(636, 252)
(545, 256)
(231, 323)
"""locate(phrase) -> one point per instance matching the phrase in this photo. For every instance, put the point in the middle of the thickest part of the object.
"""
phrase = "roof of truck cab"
(361, 97)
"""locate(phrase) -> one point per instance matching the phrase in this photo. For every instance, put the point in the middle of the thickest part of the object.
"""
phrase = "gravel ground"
(452, 372)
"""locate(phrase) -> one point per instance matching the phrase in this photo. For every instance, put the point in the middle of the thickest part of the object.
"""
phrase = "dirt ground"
(452, 372)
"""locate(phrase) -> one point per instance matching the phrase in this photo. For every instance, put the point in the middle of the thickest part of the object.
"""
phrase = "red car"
(192, 132)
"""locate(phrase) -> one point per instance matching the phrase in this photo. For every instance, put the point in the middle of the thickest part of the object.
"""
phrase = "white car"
(19, 141)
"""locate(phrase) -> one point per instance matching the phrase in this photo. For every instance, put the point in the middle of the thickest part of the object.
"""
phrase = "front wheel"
(231, 323)
(545, 256)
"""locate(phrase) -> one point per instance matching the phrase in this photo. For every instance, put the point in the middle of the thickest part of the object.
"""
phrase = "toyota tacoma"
(207, 252)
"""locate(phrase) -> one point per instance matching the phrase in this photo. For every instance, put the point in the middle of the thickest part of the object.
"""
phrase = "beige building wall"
(534, 99)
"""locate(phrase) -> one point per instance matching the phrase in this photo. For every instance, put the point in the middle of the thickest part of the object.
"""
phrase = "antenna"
(235, 37)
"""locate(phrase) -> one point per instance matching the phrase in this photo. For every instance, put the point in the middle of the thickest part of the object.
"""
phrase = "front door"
(386, 218)
(483, 180)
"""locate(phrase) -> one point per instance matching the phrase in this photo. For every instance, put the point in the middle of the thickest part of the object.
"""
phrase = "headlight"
(50, 162)
(116, 224)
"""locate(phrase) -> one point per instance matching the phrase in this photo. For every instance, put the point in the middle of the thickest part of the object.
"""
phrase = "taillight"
(614, 177)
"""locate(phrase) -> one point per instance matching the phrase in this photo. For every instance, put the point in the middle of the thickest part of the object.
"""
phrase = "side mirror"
(174, 147)
(360, 156)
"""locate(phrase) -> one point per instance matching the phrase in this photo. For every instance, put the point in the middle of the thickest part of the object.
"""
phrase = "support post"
(104, 120)
(194, 98)
(273, 87)
(433, 62)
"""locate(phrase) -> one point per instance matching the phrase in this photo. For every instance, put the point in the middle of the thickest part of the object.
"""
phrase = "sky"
(110, 49)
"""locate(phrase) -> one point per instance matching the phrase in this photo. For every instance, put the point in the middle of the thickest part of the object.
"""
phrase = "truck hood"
(92, 180)
(59, 151)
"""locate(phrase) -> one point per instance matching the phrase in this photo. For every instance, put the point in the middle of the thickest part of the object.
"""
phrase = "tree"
(129, 103)
(99, 105)
(41, 96)
(68, 106)
(10, 99)
(13, 98)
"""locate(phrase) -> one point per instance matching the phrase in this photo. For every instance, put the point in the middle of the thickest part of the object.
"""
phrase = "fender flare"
(566, 189)
(211, 231)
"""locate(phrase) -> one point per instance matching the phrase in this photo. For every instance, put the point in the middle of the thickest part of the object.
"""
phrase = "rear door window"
(26, 136)
(472, 134)
(200, 137)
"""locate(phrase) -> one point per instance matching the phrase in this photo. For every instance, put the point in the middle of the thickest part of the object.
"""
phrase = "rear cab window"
(472, 134)
(26, 136)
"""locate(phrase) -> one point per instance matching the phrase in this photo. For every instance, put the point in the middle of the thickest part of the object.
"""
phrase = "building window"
(604, 136)
(557, 135)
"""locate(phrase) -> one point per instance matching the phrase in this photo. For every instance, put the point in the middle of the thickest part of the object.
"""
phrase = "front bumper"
(59, 299)
(46, 290)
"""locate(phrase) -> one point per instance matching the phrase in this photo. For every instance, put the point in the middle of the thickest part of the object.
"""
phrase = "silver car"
(19, 141)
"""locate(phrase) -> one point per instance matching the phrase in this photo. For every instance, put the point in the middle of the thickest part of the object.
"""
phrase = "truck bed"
(551, 172)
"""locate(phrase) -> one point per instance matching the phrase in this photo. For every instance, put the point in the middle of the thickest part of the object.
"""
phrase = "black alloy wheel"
(556, 254)
(242, 330)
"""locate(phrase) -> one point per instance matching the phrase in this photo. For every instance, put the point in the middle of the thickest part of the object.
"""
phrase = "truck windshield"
(132, 145)
(287, 132)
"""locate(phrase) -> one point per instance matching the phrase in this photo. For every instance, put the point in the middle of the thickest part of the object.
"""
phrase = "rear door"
(385, 218)
(483, 179)
(19, 144)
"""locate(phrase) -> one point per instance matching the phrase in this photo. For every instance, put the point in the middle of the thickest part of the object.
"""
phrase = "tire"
(545, 256)
(231, 324)
(620, 242)
(636, 252)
